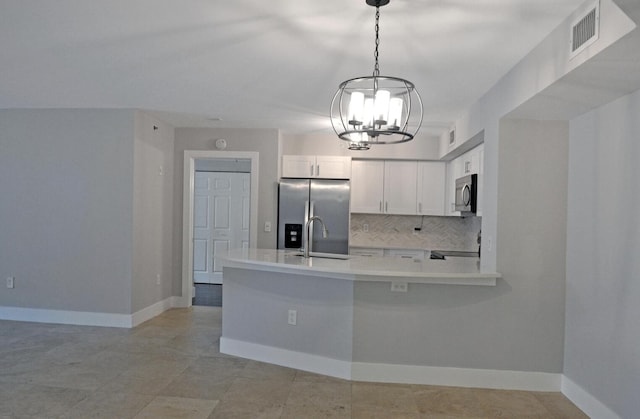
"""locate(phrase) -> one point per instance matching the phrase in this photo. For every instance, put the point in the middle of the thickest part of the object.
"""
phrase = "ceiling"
(256, 64)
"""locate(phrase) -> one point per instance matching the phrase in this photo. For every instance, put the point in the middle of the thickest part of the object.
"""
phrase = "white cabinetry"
(367, 186)
(366, 251)
(400, 179)
(326, 167)
(383, 187)
(431, 188)
(405, 253)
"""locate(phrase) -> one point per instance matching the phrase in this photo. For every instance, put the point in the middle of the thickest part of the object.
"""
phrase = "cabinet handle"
(380, 206)
(317, 170)
(419, 206)
(311, 167)
(386, 206)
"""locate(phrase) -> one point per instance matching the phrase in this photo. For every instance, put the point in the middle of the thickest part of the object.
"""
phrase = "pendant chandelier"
(376, 109)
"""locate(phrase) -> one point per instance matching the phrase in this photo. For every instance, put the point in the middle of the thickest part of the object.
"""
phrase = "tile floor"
(170, 367)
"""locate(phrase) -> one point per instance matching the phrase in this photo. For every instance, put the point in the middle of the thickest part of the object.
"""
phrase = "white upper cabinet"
(367, 186)
(431, 188)
(400, 179)
(383, 187)
(324, 167)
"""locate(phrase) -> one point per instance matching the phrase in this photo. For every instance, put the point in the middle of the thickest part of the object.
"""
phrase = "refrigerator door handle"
(312, 205)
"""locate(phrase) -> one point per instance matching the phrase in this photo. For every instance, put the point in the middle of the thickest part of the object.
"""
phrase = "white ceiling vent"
(585, 30)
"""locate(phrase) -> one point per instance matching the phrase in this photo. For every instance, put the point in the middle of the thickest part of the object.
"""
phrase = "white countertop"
(453, 271)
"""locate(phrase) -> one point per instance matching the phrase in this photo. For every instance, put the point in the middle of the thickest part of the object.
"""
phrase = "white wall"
(422, 147)
(66, 209)
(152, 212)
(518, 324)
(602, 349)
(546, 65)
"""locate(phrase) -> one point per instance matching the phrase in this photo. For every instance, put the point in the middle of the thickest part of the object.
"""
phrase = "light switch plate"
(10, 282)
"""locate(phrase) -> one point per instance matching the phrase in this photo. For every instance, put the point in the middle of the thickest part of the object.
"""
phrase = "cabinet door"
(298, 166)
(400, 180)
(365, 251)
(333, 167)
(431, 188)
(367, 180)
(405, 253)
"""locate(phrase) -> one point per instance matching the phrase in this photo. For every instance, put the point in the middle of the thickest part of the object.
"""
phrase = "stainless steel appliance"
(466, 193)
(300, 199)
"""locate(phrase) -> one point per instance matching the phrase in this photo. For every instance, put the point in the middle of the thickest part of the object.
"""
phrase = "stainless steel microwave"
(466, 194)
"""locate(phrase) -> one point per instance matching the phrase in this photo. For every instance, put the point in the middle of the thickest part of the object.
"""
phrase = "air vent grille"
(585, 31)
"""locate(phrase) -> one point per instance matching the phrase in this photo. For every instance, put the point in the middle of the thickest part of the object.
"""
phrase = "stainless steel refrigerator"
(300, 199)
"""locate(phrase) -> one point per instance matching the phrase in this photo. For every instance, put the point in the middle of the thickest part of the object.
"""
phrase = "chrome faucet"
(305, 240)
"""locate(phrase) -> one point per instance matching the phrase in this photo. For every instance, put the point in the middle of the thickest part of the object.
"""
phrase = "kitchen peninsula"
(355, 317)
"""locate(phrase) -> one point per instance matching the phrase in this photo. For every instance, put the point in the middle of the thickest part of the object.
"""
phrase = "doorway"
(220, 220)
(197, 254)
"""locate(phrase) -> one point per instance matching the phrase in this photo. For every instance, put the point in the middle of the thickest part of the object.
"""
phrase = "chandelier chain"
(376, 68)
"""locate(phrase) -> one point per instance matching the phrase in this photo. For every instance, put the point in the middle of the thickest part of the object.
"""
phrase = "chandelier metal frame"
(376, 109)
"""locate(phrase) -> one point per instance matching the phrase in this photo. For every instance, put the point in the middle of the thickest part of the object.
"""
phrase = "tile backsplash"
(437, 233)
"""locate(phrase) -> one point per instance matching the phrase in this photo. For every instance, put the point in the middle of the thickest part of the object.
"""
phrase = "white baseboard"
(152, 311)
(457, 377)
(286, 358)
(591, 406)
(87, 318)
(393, 373)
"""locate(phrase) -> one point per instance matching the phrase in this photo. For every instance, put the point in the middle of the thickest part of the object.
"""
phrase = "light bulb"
(356, 108)
(395, 113)
(368, 113)
(381, 111)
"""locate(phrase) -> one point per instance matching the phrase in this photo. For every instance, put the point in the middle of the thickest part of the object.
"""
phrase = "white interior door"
(221, 220)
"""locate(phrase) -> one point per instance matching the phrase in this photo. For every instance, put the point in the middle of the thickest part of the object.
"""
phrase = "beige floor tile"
(309, 393)
(248, 398)
(171, 365)
(262, 392)
(317, 399)
(28, 400)
(196, 345)
(261, 371)
(125, 383)
(560, 406)
(198, 386)
(109, 405)
(360, 412)
(316, 412)
(453, 401)
(510, 403)
(76, 377)
(177, 407)
(395, 399)
(217, 366)
(246, 411)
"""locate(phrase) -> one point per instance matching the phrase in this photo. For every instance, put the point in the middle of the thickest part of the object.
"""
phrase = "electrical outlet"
(365, 228)
(158, 279)
(267, 226)
(399, 286)
(10, 282)
(293, 317)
